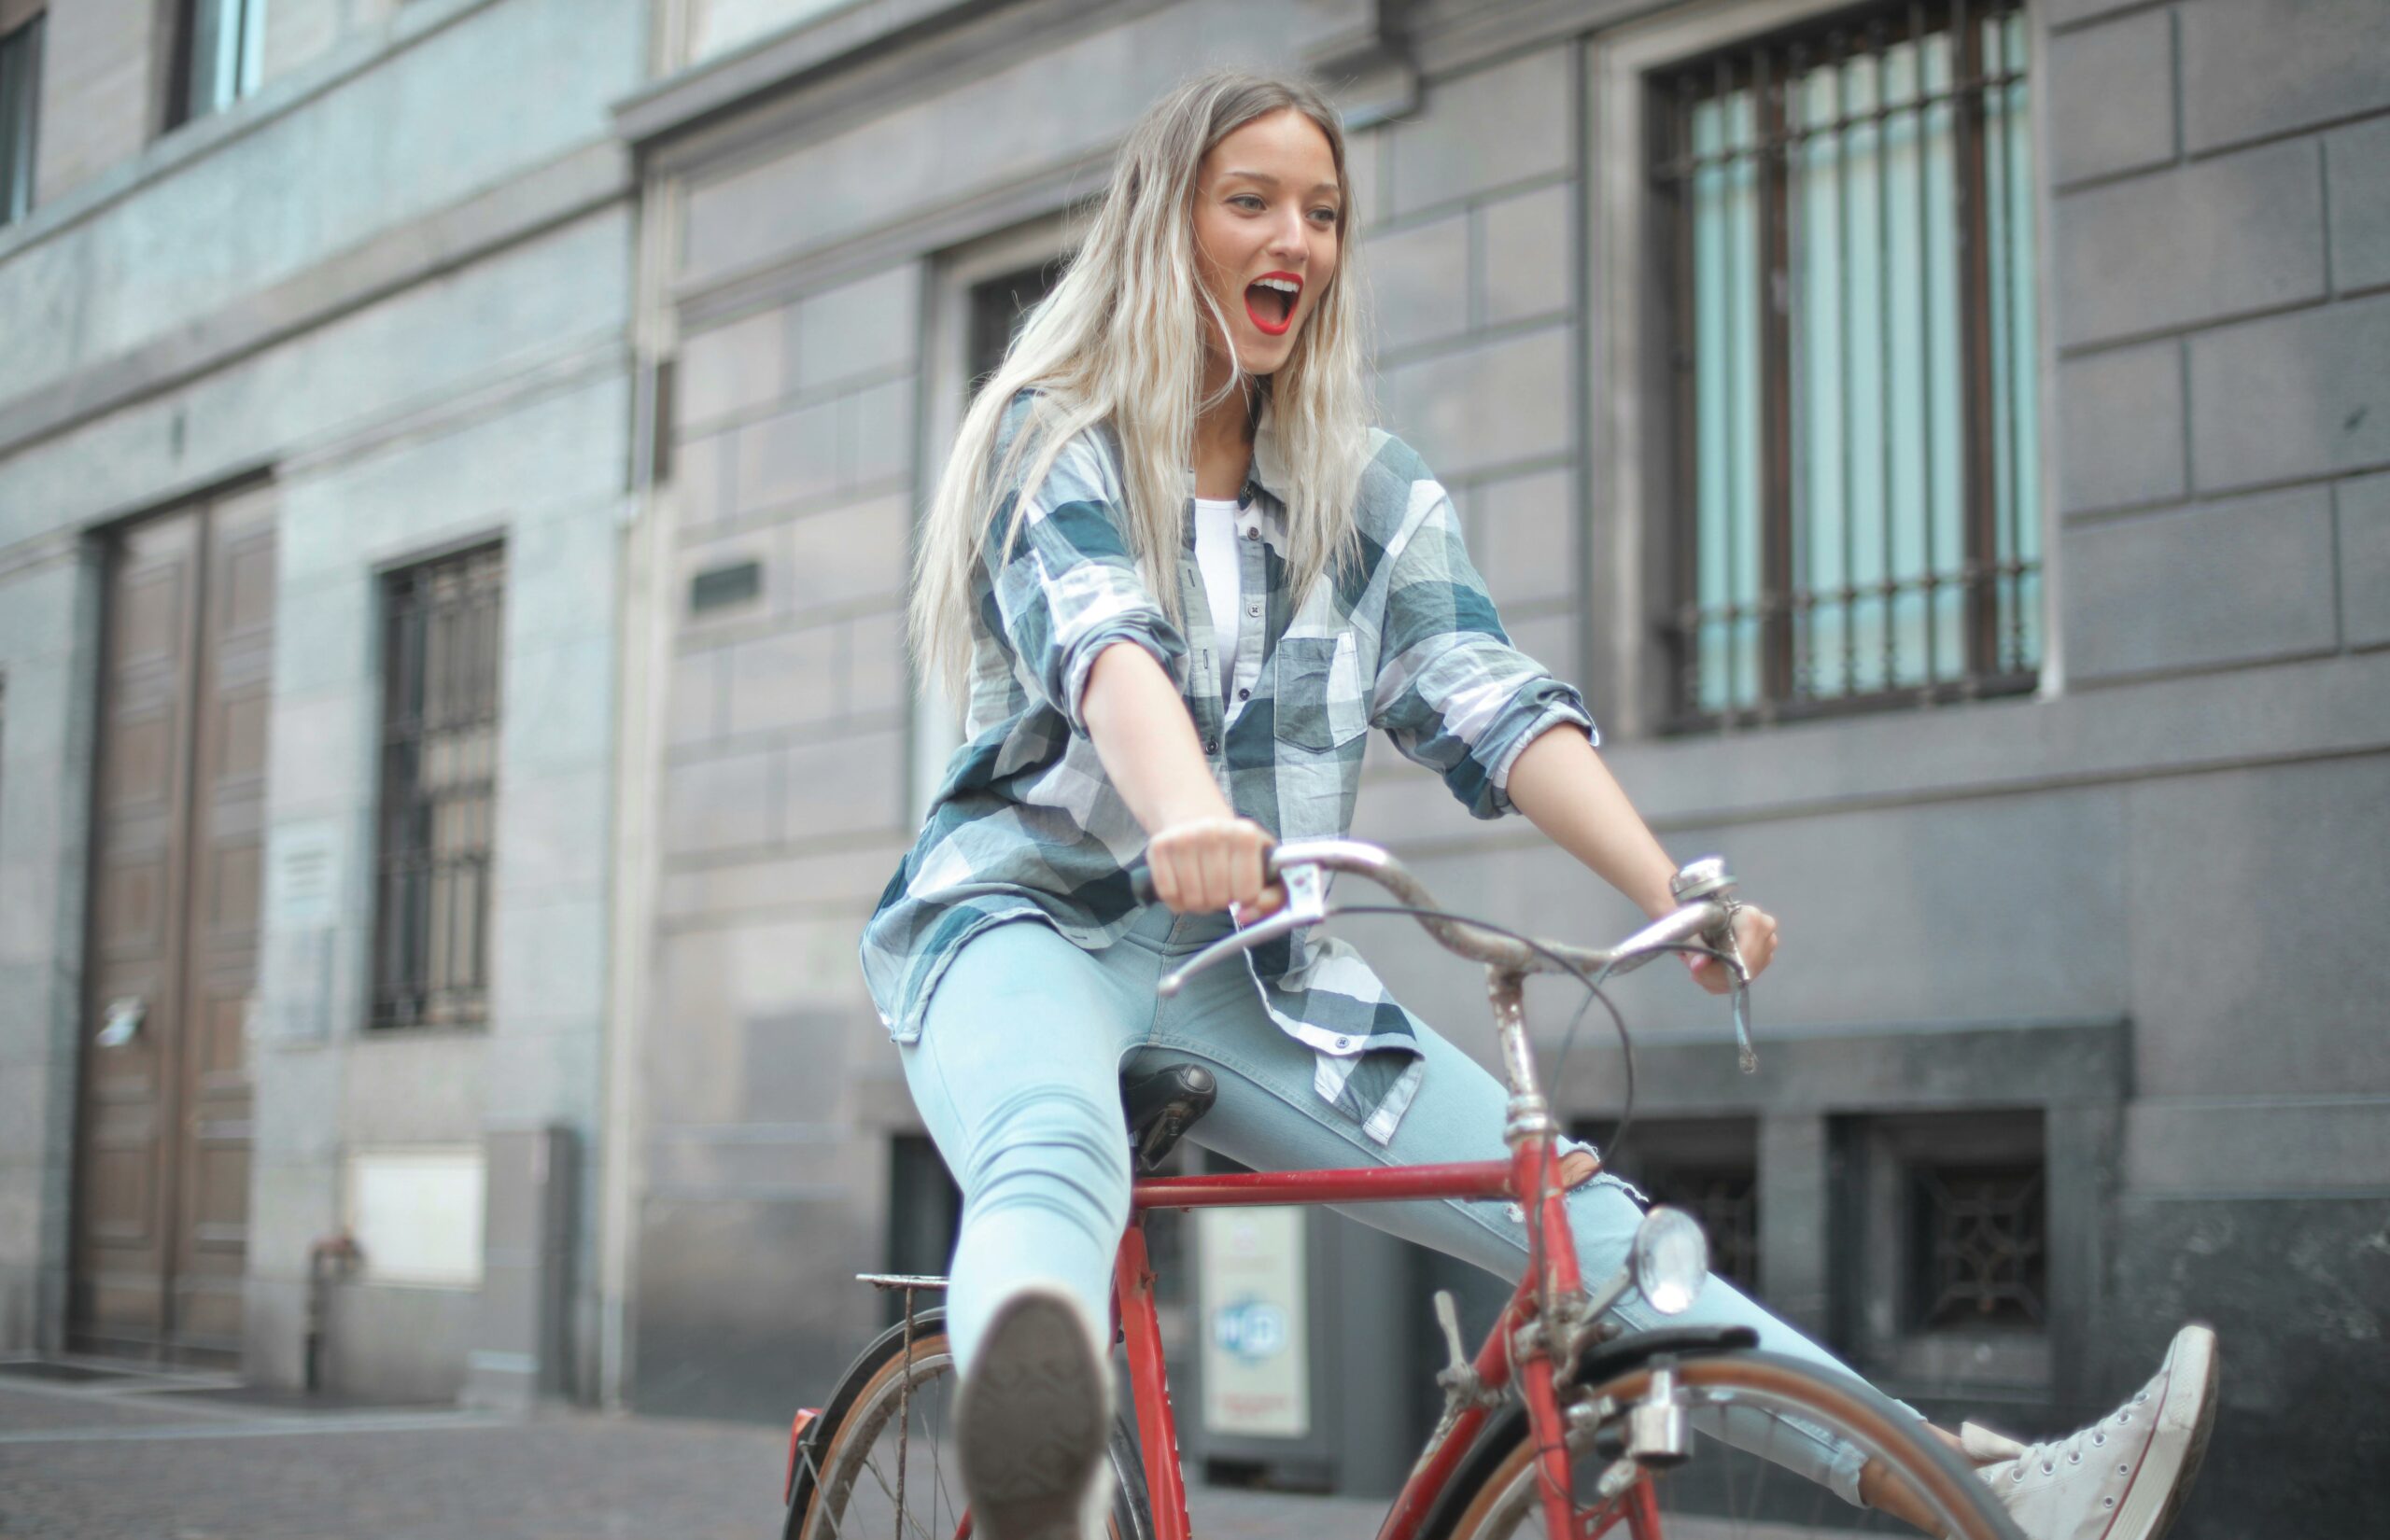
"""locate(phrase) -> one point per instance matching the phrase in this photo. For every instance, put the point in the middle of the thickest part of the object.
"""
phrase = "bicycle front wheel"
(881, 1466)
(1720, 1493)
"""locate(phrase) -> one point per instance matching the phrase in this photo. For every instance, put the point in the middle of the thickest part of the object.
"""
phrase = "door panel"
(226, 845)
(161, 1202)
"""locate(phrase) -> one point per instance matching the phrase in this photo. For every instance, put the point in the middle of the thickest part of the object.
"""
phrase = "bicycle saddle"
(1162, 1104)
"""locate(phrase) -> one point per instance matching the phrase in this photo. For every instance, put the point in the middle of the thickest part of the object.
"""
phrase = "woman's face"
(1267, 208)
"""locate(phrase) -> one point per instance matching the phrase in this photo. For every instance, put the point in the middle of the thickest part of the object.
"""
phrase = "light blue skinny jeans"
(1016, 1074)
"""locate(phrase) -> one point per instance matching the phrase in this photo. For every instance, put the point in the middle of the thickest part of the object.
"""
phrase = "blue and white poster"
(1255, 1349)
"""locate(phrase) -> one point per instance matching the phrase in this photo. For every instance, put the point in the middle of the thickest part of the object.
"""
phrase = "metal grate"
(1725, 1199)
(441, 647)
(1848, 236)
(1978, 1246)
(1707, 1167)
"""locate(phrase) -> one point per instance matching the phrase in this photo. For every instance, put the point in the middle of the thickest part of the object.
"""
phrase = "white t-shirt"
(1219, 524)
(1215, 534)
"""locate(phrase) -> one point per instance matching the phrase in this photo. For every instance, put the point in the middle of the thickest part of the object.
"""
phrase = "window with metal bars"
(1707, 1167)
(1846, 235)
(440, 717)
(1977, 1256)
(1941, 1261)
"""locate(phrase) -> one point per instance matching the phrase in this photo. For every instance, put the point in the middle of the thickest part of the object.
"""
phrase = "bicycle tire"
(855, 1435)
(1493, 1495)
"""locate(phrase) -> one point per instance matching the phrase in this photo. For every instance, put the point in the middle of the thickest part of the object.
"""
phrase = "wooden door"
(162, 1203)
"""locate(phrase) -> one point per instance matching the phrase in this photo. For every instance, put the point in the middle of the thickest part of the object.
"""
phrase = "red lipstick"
(1265, 294)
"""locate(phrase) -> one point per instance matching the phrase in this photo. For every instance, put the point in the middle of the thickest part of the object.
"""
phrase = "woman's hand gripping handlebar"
(1704, 916)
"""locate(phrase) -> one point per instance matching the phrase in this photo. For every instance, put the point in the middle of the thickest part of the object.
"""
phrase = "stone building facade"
(688, 327)
(367, 313)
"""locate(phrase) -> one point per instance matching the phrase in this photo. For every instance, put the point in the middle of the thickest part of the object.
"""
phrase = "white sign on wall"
(417, 1216)
(1255, 1347)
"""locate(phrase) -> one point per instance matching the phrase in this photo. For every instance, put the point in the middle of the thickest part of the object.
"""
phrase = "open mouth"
(1269, 302)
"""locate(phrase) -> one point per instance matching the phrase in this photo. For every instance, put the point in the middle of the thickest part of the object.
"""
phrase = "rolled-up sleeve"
(1068, 587)
(1451, 690)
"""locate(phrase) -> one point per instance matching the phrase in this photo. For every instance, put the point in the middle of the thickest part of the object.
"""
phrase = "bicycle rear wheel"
(1720, 1493)
(879, 1464)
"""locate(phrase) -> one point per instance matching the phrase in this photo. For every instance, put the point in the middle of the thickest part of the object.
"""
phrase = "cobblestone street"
(197, 1461)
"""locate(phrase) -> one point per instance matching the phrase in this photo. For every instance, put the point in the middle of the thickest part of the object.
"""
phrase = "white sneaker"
(2124, 1477)
(1033, 1421)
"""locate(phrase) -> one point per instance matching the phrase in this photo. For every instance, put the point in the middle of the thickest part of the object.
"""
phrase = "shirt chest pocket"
(1320, 703)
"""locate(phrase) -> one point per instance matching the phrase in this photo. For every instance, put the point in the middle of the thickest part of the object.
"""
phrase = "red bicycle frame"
(1533, 1167)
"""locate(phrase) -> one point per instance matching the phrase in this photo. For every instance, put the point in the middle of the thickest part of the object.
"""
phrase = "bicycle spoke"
(906, 1520)
(937, 1478)
(822, 1495)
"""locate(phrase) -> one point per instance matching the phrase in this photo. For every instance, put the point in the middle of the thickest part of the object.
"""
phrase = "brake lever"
(1306, 904)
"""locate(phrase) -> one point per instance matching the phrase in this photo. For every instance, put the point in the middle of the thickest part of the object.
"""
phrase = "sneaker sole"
(1032, 1426)
(2159, 1488)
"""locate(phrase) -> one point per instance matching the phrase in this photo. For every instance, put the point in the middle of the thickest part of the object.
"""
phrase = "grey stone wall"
(103, 70)
(48, 617)
(784, 792)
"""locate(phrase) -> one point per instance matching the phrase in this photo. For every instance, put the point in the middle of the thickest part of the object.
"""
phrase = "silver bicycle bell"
(1671, 1258)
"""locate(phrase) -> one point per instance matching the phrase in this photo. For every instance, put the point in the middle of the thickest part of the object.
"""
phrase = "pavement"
(193, 1457)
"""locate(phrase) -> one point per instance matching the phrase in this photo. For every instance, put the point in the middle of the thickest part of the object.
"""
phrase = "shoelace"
(2070, 1451)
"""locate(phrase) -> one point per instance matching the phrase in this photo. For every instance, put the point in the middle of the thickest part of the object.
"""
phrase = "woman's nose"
(1286, 236)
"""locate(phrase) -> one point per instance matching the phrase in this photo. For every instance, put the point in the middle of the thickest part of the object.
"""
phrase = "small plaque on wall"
(719, 587)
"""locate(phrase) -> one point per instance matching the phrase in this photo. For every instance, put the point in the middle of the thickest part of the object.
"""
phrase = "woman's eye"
(1325, 215)
(1246, 201)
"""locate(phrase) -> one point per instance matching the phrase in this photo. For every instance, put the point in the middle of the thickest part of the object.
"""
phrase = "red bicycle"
(1563, 1417)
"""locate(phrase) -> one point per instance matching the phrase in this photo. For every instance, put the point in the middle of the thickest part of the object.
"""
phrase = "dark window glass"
(924, 1215)
(1707, 1167)
(19, 116)
(1847, 238)
(997, 309)
(440, 717)
(220, 56)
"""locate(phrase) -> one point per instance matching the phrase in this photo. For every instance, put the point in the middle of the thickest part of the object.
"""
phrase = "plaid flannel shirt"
(1026, 824)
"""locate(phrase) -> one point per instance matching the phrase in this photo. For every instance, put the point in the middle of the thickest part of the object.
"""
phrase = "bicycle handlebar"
(1298, 864)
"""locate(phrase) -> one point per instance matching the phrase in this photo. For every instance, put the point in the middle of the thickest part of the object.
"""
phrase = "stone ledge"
(573, 183)
(1931, 1066)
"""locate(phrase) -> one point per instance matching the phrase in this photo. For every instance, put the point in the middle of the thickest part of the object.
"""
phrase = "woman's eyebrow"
(1318, 190)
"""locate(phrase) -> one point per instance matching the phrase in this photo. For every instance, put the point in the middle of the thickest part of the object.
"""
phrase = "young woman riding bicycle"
(1175, 577)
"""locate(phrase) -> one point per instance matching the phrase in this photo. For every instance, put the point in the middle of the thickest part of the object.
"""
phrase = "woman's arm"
(1203, 856)
(1565, 791)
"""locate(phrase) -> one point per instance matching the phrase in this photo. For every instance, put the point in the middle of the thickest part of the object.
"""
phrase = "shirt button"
(1252, 532)
(1253, 609)
(1245, 694)
(1211, 745)
(1343, 1042)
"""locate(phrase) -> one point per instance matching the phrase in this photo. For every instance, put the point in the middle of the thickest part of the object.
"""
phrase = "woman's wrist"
(1655, 896)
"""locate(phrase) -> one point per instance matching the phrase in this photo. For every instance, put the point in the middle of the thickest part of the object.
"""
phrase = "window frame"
(1635, 561)
(182, 106)
(936, 729)
(392, 735)
(1878, 1247)
(31, 34)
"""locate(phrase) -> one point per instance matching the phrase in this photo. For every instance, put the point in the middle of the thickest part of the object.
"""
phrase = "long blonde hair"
(1119, 343)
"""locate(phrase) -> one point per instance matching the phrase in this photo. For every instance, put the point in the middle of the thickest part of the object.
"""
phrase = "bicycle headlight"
(1671, 1259)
